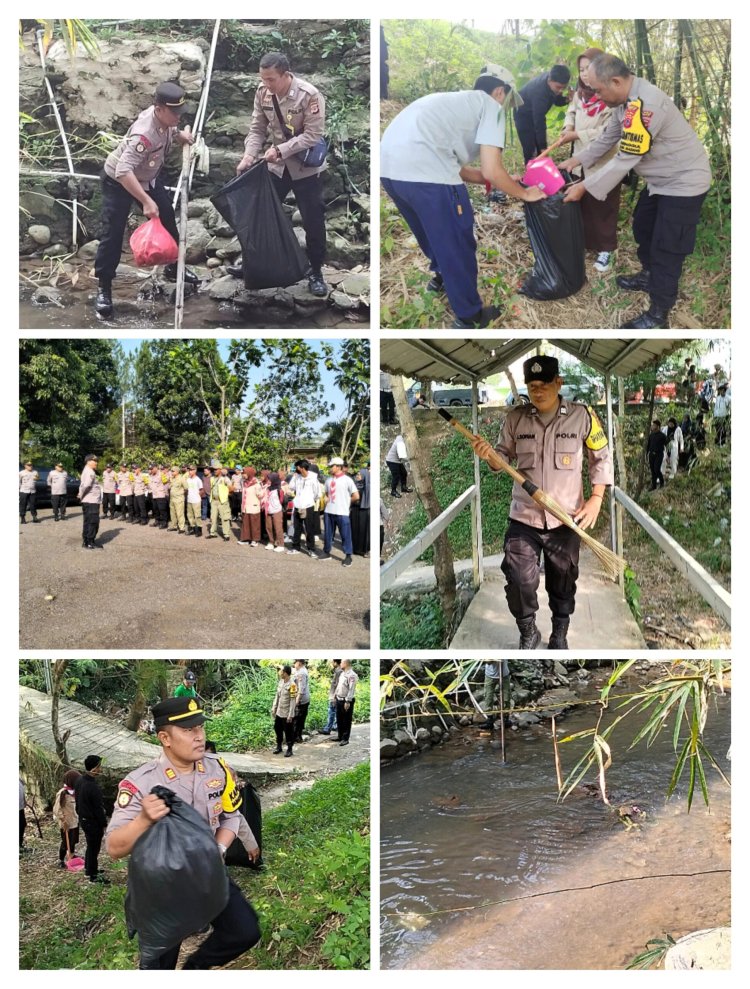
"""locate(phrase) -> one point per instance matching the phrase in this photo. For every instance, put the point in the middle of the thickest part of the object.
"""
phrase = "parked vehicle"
(446, 395)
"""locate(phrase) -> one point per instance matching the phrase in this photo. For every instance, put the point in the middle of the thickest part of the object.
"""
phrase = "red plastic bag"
(152, 244)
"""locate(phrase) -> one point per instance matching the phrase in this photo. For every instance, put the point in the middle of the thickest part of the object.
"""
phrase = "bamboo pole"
(502, 711)
(180, 291)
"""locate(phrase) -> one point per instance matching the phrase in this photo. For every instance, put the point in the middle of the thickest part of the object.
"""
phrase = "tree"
(150, 682)
(58, 673)
(352, 376)
(67, 390)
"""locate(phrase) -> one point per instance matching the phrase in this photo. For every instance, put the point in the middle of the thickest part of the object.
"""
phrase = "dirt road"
(152, 589)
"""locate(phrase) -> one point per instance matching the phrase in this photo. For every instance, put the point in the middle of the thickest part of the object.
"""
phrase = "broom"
(613, 564)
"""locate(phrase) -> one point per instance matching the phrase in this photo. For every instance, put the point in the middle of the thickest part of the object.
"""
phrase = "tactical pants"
(665, 228)
(308, 194)
(234, 932)
(398, 475)
(90, 521)
(344, 719)
(94, 833)
(309, 523)
(299, 720)
(139, 508)
(108, 504)
(524, 545)
(284, 731)
(220, 510)
(59, 504)
(177, 513)
(442, 220)
(194, 515)
(27, 502)
(332, 522)
(655, 461)
(161, 512)
(126, 507)
(116, 204)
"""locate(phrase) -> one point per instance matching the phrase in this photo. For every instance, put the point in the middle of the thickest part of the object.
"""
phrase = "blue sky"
(332, 394)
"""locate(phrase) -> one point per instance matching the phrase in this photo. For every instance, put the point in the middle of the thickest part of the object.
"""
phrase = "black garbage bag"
(271, 255)
(177, 883)
(556, 233)
(251, 810)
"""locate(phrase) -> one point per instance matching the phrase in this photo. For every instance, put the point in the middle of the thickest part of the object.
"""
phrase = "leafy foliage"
(412, 626)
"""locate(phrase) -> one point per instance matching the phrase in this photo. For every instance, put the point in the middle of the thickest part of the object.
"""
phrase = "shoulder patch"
(597, 438)
(314, 106)
(142, 142)
(123, 798)
(635, 139)
(128, 787)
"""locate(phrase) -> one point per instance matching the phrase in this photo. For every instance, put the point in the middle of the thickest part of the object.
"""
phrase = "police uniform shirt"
(159, 486)
(303, 110)
(58, 482)
(139, 484)
(109, 481)
(433, 137)
(347, 685)
(27, 481)
(655, 141)
(202, 789)
(301, 680)
(124, 483)
(142, 151)
(89, 490)
(551, 457)
(285, 701)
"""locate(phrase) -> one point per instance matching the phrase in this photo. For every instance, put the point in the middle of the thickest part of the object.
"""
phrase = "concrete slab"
(602, 619)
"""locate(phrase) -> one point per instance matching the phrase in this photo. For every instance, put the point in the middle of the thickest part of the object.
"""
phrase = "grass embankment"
(312, 898)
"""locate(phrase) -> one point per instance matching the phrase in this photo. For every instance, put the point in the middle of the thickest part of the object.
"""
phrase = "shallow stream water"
(461, 829)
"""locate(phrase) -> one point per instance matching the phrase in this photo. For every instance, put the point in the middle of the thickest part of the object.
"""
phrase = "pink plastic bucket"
(544, 174)
(74, 864)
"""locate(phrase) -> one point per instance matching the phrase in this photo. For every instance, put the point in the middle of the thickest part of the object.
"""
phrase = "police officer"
(57, 481)
(302, 110)
(220, 485)
(109, 490)
(159, 484)
(177, 491)
(140, 481)
(657, 143)
(27, 479)
(547, 439)
(207, 784)
(90, 497)
(125, 484)
(132, 174)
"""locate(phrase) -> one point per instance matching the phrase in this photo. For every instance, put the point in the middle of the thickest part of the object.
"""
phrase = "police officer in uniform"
(207, 784)
(139, 496)
(131, 174)
(125, 485)
(159, 485)
(177, 491)
(90, 497)
(303, 111)
(657, 143)
(109, 489)
(27, 479)
(547, 440)
(57, 481)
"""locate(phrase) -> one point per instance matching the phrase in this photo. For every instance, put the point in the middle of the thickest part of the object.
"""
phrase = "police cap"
(169, 94)
(540, 369)
(185, 712)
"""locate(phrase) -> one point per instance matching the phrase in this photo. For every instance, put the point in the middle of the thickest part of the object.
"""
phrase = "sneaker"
(102, 880)
(312, 554)
(322, 731)
(345, 742)
(243, 542)
(292, 552)
(253, 543)
(316, 284)
(603, 261)
(395, 494)
(325, 556)
(279, 549)
(268, 546)
(347, 561)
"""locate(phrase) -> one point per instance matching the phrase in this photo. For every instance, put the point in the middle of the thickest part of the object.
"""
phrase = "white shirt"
(339, 490)
(194, 487)
(306, 490)
(435, 135)
(721, 406)
(397, 452)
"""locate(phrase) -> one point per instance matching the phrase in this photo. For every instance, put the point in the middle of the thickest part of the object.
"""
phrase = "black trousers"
(344, 719)
(161, 512)
(94, 833)
(139, 509)
(387, 407)
(126, 506)
(308, 194)
(90, 522)
(284, 730)
(235, 501)
(27, 502)
(655, 461)
(398, 476)
(59, 504)
(235, 931)
(523, 548)
(310, 523)
(116, 205)
(73, 838)
(21, 826)
(527, 138)
(720, 431)
(108, 504)
(664, 228)
(299, 720)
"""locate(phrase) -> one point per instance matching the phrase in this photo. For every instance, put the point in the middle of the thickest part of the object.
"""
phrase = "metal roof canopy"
(468, 360)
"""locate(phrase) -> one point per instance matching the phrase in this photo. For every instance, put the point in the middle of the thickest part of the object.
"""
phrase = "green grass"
(404, 625)
(312, 899)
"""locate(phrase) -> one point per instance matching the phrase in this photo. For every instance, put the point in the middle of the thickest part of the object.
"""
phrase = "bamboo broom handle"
(495, 460)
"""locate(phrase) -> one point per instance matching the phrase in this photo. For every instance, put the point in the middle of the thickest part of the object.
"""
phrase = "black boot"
(288, 752)
(315, 283)
(199, 531)
(635, 283)
(530, 634)
(435, 284)
(559, 637)
(654, 318)
(23, 520)
(235, 270)
(103, 304)
(170, 273)
(479, 321)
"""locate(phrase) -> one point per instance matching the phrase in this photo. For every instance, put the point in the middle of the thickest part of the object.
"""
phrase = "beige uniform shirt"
(655, 141)
(27, 481)
(142, 151)
(201, 789)
(139, 484)
(89, 490)
(109, 482)
(304, 112)
(552, 458)
(347, 685)
(124, 482)
(285, 701)
(57, 481)
(159, 487)
(177, 487)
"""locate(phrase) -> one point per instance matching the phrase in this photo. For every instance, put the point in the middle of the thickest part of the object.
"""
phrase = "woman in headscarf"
(584, 122)
(252, 491)
(359, 514)
(274, 513)
(64, 813)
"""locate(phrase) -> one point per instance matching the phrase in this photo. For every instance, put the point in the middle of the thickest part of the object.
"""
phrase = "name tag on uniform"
(635, 139)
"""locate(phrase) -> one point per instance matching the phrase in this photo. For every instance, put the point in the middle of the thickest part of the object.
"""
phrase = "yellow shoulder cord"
(231, 798)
